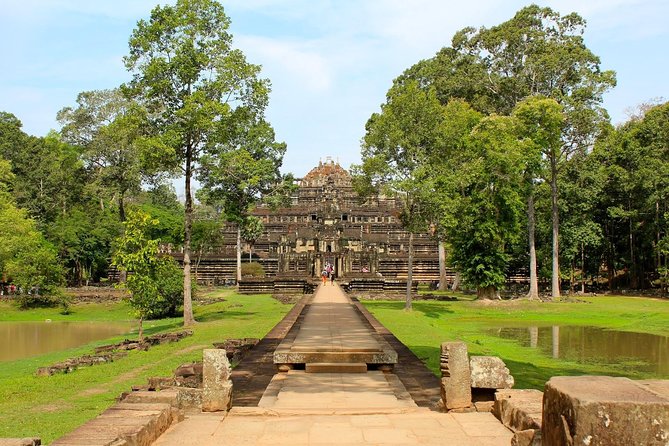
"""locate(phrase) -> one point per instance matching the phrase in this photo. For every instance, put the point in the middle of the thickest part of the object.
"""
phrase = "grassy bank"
(433, 322)
(49, 407)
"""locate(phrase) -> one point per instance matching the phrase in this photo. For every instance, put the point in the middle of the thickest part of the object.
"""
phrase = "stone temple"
(327, 222)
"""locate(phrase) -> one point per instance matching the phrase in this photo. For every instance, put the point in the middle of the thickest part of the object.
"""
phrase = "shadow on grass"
(223, 314)
(531, 376)
(430, 309)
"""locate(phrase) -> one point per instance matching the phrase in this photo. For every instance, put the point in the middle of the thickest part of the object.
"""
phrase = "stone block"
(217, 387)
(519, 409)
(484, 406)
(217, 399)
(189, 398)
(456, 389)
(215, 368)
(529, 437)
(603, 410)
(490, 372)
(335, 367)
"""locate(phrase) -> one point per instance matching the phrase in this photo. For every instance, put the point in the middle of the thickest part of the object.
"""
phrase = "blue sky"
(330, 61)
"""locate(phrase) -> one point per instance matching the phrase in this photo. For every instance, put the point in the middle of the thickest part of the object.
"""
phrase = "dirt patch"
(50, 408)
(95, 294)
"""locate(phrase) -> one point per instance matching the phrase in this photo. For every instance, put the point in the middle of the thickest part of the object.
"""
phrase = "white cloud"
(289, 60)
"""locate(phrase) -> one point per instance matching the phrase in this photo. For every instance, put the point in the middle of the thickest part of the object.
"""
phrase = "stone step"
(336, 367)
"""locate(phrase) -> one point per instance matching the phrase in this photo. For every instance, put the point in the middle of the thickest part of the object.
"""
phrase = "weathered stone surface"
(189, 398)
(602, 410)
(217, 399)
(484, 406)
(529, 437)
(456, 389)
(519, 409)
(128, 423)
(217, 387)
(215, 367)
(20, 441)
(490, 372)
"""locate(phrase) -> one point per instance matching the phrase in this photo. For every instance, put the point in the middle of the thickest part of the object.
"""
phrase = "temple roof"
(328, 172)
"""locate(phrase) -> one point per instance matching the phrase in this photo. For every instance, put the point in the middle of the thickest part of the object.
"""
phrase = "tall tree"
(541, 122)
(395, 151)
(537, 52)
(108, 127)
(194, 85)
(486, 215)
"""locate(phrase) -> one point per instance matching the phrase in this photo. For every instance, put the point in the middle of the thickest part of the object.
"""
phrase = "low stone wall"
(138, 420)
(109, 353)
(521, 411)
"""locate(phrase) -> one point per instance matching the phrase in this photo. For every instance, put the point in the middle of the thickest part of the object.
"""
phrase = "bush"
(253, 270)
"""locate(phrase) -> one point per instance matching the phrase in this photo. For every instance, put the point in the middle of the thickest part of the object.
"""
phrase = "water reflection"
(24, 339)
(642, 351)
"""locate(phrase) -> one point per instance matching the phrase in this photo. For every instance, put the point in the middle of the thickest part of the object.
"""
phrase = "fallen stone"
(519, 409)
(456, 389)
(529, 437)
(490, 372)
(484, 406)
(603, 410)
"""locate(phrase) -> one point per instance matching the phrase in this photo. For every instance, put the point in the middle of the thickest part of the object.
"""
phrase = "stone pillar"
(602, 410)
(456, 391)
(217, 386)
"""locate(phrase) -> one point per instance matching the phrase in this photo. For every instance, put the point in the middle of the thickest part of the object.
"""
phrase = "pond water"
(640, 351)
(24, 339)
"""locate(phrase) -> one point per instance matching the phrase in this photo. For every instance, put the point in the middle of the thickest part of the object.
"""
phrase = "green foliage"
(155, 281)
(490, 206)
(253, 270)
(108, 127)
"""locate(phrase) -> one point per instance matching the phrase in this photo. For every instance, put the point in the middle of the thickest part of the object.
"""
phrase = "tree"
(195, 86)
(108, 127)
(243, 173)
(487, 212)
(154, 281)
(252, 229)
(395, 151)
(541, 122)
(537, 52)
(26, 258)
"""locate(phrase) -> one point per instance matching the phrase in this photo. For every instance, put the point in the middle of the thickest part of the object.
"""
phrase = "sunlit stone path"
(337, 388)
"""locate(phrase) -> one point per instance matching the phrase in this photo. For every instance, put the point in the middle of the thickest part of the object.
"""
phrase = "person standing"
(324, 275)
(332, 276)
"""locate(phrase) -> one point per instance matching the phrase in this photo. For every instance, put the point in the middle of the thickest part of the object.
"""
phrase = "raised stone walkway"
(302, 408)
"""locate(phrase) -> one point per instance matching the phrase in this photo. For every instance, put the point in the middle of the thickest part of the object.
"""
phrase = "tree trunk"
(456, 281)
(188, 225)
(121, 207)
(534, 282)
(239, 254)
(555, 283)
(140, 334)
(407, 305)
(634, 283)
(582, 268)
(443, 285)
(488, 292)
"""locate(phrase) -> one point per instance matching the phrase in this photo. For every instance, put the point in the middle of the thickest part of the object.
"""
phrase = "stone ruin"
(326, 222)
(572, 410)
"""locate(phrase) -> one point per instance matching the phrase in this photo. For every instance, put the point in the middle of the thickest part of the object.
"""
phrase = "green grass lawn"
(433, 322)
(49, 407)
